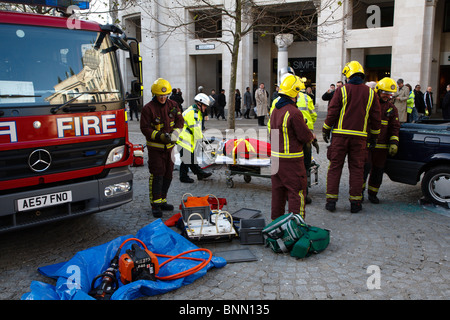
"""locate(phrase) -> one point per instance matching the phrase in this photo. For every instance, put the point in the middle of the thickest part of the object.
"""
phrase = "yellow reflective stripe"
(382, 146)
(355, 197)
(384, 122)
(287, 155)
(285, 133)
(369, 105)
(332, 196)
(373, 189)
(185, 144)
(394, 138)
(327, 127)
(344, 106)
(350, 132)
(302, 204)
(375, 131)
(154, 133)
(159, 145)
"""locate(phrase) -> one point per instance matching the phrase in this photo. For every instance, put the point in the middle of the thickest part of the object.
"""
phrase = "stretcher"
(249, 162)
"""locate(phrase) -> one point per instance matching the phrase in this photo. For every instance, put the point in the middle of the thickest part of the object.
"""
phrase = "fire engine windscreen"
(42, 66)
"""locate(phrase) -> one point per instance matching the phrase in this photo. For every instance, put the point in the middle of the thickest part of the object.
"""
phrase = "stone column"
(283, 41)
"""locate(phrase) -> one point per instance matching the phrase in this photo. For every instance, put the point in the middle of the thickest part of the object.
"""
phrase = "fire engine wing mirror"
(135, 57)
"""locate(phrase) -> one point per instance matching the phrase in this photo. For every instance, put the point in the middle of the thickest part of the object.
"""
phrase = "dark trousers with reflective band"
(374, 169)
(289, 182)
(160, 165)
(188, 161)
(341, 147)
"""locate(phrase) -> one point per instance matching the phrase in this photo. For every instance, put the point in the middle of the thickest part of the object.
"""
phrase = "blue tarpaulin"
(74, 277)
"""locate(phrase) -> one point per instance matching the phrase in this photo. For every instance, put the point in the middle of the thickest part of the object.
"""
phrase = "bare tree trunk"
(234, 62)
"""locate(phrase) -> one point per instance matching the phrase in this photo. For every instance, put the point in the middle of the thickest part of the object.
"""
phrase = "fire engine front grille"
(14, 164)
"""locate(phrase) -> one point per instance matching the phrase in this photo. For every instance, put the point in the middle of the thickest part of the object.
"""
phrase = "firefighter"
(387, 142)
(306, 106)
(353, 112)
(190, 136)
(288, 134)
(161, 122)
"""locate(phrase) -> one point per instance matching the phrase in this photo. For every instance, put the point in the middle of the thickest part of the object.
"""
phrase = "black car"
(424, 149)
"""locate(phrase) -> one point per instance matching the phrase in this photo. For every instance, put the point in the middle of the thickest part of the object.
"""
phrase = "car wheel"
(436, 185)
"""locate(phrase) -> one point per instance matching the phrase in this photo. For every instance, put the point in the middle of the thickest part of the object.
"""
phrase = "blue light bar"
(82, 4)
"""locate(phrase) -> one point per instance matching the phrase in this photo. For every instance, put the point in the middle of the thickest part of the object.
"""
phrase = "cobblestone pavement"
(407, 244)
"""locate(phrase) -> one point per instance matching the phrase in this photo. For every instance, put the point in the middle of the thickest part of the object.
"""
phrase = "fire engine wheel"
(247, 178)
(436, 185)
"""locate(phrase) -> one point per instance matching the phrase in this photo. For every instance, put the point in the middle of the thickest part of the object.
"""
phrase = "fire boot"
(184, 177)
(355, 206)
(202, 175)
(166, 206)
(330, 206)
(156, 210)
(373, 198)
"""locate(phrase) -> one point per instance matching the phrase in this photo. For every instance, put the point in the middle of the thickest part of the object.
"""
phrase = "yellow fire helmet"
(161, 87)
(387, 85)
(291, 86)
(351, 68)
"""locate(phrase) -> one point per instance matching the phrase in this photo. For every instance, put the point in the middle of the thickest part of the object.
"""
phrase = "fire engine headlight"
(118, 188)
(115, 155)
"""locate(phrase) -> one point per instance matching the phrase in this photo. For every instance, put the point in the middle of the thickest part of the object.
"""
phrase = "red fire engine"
(64, 148)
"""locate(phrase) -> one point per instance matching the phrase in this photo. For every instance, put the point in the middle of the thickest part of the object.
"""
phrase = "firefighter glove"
(326, 136)
(393, 148)
(372, 143)
(165, 138)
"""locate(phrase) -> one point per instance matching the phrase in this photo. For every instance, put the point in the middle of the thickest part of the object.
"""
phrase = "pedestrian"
(446, 105)
(352, 114)
(410, 105)
(180, 94)
(309, 92)
(133, 104)
(400, 99)
(161, 121)
(214, 106)
(247, 102)
(419, 102)
(222, 102)
(177, 97)
(428, 98)
(237, 103)
(328, 95)
(306, 105)
(290, 133)
(275, 93)
(261, 97)
(387, 141)
(190, 137)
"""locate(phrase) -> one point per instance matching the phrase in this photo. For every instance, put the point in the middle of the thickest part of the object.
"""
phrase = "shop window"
(447, 16)
(372, 14)
(208, 24)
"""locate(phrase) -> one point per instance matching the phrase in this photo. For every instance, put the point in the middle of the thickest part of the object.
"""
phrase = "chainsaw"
(140, 264)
